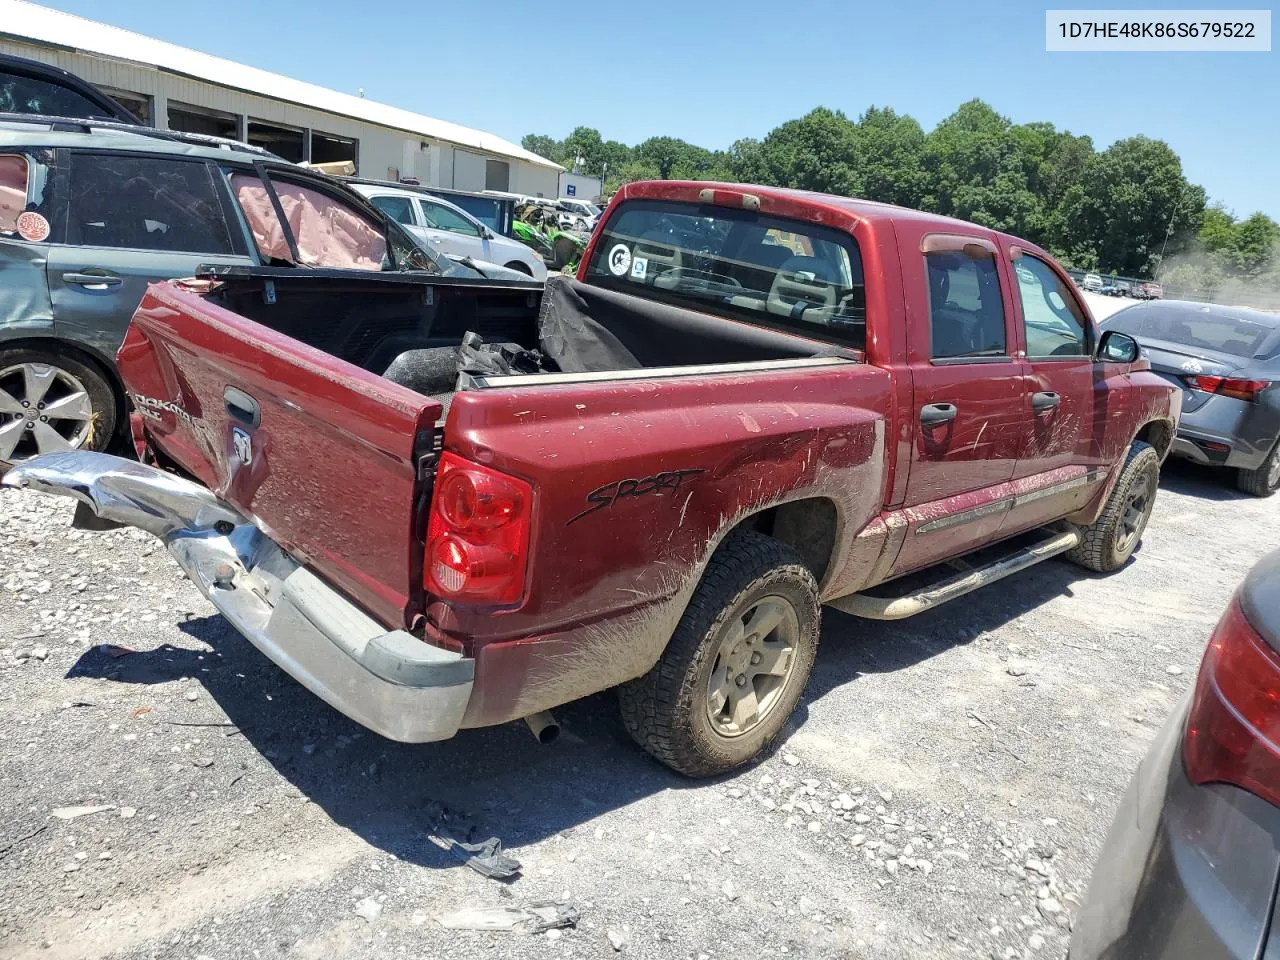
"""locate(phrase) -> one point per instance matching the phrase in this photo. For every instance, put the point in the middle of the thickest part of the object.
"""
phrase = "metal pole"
(1173, 216)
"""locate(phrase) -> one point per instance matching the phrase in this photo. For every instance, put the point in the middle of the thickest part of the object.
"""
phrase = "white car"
(450, 230)
(589, 212)
(1092, 282)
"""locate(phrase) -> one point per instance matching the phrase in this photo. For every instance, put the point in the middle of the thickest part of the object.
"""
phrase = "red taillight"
(1233, 730)
(478, 534)
(1228, 386)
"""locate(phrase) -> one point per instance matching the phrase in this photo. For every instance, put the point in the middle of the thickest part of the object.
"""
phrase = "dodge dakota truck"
(441, 511)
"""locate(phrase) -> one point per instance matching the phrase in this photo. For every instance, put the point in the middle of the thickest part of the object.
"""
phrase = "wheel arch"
(87, 355)
(1158, 433)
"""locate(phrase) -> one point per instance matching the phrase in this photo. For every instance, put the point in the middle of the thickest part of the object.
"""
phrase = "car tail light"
(478, 533)
(1228, 386)
(1233, 730)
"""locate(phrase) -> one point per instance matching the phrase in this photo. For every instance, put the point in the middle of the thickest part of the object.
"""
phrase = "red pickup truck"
(749, 402)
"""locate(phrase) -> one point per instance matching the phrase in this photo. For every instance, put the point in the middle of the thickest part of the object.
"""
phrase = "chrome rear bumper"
(389, 681)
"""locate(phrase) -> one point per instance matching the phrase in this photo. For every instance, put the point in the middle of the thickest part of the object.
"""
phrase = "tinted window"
(13, 191)
(19, 94)
(399, 209)
(1238, 336)
(736, 263)
(486, 210)
(966, 314)
(438, 217)
(145, 203)
(1055, 324)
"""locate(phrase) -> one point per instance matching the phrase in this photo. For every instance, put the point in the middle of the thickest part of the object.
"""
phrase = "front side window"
(23, 94)
(966, 314)
(1054, 323)
(730, 262)
(438, 217)
(399, 209)
(145, 203)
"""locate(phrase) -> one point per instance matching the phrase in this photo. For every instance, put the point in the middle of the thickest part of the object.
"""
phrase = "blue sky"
(711, 71)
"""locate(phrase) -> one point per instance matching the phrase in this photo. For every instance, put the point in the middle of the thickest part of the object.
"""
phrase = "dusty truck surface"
(749, 402)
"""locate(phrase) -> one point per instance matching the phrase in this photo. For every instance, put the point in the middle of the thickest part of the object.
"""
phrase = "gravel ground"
(943, 792)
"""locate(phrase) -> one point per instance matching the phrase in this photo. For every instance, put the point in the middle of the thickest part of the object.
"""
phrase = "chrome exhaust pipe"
(543, 726)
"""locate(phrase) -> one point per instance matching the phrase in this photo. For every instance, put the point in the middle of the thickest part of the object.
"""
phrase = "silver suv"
(91, 212)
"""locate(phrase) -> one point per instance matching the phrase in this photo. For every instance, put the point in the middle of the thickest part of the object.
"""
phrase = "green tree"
(1133, 204)
(819, 151)
(543, 146)
(888, 151)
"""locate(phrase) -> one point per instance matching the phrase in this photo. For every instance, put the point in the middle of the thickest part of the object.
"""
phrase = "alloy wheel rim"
(753, 664)
(43, 409)
(1273, 475)
(1133, 519)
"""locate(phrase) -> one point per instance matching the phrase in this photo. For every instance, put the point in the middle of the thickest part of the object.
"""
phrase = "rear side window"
(145, 203)
(21, 94)
(327, 232)
(13, 190)
(786, 274)
(966, 314)
(399, 209)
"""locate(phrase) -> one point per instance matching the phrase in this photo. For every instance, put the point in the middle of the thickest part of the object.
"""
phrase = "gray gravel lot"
(945, 789)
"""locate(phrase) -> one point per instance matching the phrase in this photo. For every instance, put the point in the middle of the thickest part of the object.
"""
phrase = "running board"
(899, 608)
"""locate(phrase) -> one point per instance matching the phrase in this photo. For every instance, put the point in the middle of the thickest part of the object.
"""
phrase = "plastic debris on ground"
(532, 917)
(454, 834)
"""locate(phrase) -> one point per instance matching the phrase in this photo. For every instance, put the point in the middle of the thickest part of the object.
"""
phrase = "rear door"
(967, 383)
(132, 219)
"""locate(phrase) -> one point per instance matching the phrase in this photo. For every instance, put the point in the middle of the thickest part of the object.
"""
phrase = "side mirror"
(1117, 347)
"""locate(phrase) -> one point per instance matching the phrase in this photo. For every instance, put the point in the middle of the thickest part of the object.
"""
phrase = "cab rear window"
(765, 270)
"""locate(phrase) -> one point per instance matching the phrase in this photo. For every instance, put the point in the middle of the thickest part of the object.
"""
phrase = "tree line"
(1123, 210)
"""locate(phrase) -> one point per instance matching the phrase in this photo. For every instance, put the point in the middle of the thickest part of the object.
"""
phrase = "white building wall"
(468, 171)
(382, 152)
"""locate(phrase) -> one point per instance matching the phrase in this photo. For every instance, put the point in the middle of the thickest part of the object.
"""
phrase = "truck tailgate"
(318, 453)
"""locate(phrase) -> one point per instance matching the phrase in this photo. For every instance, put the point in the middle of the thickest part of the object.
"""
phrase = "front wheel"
(52, 401)
(1110, 540)
(736, 665)
(1264, 481)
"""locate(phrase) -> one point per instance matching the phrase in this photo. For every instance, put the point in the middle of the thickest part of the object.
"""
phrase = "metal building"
(174, 88)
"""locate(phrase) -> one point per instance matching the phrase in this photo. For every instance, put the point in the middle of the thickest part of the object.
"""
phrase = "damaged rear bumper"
(389, 681)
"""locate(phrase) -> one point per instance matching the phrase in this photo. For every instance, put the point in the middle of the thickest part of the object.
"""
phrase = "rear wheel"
(736, 665)
(52, 401)
(1264, 481)
(1110, 540)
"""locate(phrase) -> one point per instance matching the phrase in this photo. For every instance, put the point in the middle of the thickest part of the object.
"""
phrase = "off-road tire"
(666, 709)
(1102, 547)
(1264, 481)
(103, 399)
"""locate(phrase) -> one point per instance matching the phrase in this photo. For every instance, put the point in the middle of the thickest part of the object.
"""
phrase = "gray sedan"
(1189, 869)
(1227, 361)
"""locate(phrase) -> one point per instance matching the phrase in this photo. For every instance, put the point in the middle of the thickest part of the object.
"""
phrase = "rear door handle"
(1043, 402)
(934, 414)
(242, 407)
(99, 281)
